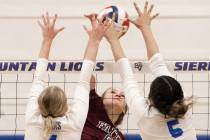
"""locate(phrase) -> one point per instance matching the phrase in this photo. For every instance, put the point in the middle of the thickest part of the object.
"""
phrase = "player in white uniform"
(47, 111)
(165, 114)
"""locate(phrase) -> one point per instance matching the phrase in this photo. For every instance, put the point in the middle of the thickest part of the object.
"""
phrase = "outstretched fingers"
(146, 7)
(133, 21)
(44, 20)
(47, 18)
(93, 19)
(59, 30)
(137, 8)
(40, 25)
(150, 9)
(54, 20)
(101, 20)
(86, 29)
(154, 16)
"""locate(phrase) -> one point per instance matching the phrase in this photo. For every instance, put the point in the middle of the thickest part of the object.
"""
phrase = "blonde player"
(47, 111)
(165, 115)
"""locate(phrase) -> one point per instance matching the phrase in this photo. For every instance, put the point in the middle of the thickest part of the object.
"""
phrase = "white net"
(15, 87)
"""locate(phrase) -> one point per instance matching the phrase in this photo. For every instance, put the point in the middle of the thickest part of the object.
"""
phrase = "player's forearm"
(92, 82)
(151, 45)
(91, 50)
(40, 75)
(158, 66)
(133, 94)
(117, 50)
(85, 75)
(45, 49)
(80, 106)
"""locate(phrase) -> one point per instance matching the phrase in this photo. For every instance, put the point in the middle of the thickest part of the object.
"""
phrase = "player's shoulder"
(93, 93)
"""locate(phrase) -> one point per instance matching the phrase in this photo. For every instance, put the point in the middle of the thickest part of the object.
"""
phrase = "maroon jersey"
(98, 126)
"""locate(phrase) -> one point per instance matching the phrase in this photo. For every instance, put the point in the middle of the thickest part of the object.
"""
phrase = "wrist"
(145, 28)
(46, 45)
(94, 41)
(113, 41)
(47, 41)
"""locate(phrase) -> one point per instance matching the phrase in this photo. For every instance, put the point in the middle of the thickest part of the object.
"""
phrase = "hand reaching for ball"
(112, 33)
(98, 29)
(144, 18)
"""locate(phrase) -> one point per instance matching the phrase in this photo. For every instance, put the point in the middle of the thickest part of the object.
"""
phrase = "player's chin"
(117, 102)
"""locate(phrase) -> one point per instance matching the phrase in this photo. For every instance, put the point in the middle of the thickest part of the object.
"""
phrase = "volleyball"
(121, 17)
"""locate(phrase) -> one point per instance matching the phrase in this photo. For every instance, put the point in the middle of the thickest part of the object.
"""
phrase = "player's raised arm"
(48, 34)
(143, 23)
(95, 35)
(130, 86)
(112, 36)
(79, 108)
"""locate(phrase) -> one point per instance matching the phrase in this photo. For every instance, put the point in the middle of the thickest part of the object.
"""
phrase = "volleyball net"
(16, 78)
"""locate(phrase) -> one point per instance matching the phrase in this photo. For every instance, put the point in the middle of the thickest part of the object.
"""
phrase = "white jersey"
(152, 124)
(69, 126)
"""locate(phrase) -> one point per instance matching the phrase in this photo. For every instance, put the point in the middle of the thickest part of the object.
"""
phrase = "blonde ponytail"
(48, 127)
(52, 103)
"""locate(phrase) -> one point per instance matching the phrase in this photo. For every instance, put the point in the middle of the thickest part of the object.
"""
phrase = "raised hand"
(98, 29)
(145, 17)
(112, 33)
(48, 27)
(143, 22)
(48, 32)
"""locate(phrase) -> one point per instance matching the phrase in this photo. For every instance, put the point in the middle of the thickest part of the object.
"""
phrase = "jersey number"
(175, 132)
(53, 137)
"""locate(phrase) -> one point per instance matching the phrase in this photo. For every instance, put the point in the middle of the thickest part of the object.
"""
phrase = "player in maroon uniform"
(104, 114)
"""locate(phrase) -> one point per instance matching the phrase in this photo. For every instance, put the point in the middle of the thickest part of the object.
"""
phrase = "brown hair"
(121, 116)
(166, 95)
(180, 107)
(52, 103)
